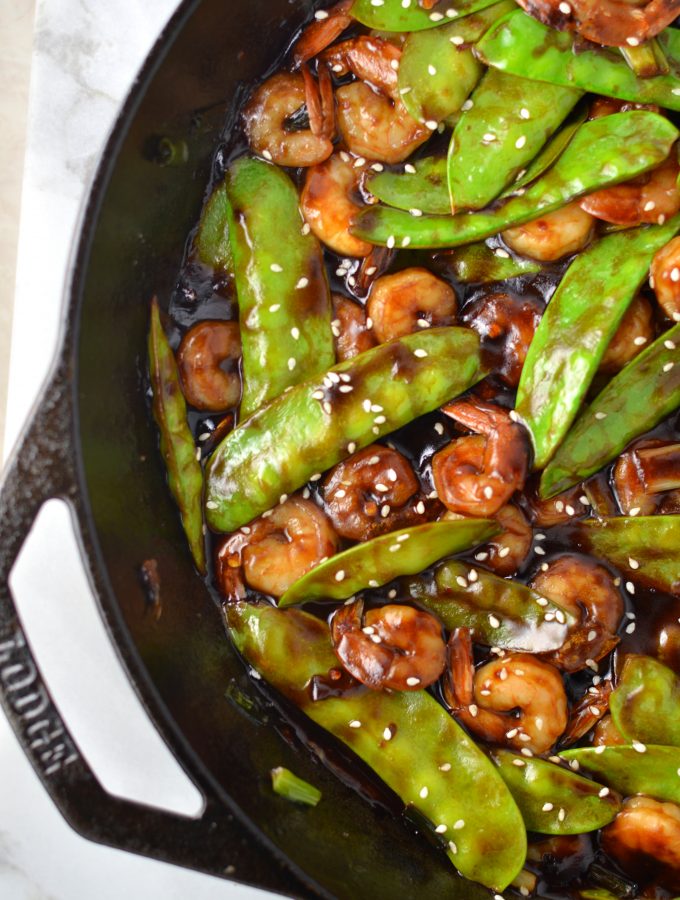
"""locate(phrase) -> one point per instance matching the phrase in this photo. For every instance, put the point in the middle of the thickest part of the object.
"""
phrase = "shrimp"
(505, 553)
(643, 473)
(350, 329)
(633, 334)
(373, 492)
(275, 550)
(508, 323)
(587, 712)
(265, 117)
(323, 31)
(665, 278)
(395, 647)
(649, 199)
(515, 700)
(607, 734)
(644, 839)
(372, 59)
(586, 590)
(330, 200)
(320, 102)
(408, 301)
(478, 474)
(565, 507)
(208, 361)
(553, 235)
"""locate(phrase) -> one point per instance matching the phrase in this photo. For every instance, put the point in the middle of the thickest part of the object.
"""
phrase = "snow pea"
(575, 804)
(320, 422)
(652, 543)
(645, 704)
(603, 152)
(501, 613)
(407, 738)
(640, 396)
(185, 476)
(425, 189)
(408, 15)
(653, 772)
(521, 45)
(479, 264)
(578, 324)
(375, 562)
(212, 243)
(552, 150)
(509, 122)
(283, 293)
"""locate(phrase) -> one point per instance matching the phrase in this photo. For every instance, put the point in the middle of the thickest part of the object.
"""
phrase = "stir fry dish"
(418, 394)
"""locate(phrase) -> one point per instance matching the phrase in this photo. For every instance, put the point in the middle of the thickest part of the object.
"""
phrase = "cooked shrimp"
(553, 236)
(478, 474)
(373, 492)
(607, 734)
(275, 550)
(644, 473)
(508, 322)
(408, 301)
(322, 32)
(557, 510)
(371, 268)
(634, 333)
(515, 700)
(586, 590)
(208, 362)
(350, 329)
(644, 839)
(665, 278)
(394, 647)
(320, 102)
(372, 59)
(506, 552)
(668, 646)
(649, 199)
(330, 201)
(265, 117)
(587, 713)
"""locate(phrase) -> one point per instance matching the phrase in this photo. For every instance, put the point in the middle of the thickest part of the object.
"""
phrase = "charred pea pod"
(552, 799)
(578, 325)
(378, 561)
(317, 424)
(647, 549)
(640, 769)
(603, 152)
(406, 738)
(479, 264)
(185, 475)
(399, 15)
(283, 294)
(640, 396)
(500, 613)
(211, 243)
(508, 123)
(645, 705)
(521, 45)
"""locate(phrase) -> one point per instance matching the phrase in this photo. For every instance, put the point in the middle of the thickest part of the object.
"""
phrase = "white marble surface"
(86, 55)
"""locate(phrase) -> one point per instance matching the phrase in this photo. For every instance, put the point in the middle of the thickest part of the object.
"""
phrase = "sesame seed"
(295, 332)
(668, 366)
(630, 587)
(473, 710)
(632, 41)
(630, 628)
(211, 504)
(604, 792)
(482, 556)
(594, 711)
(633, 563)
(634, 511)
(395, 547)
(267, 155)
(431, 124)
(408, 168)
(431, 69)
(416, 212)
(518, 762)
(503, 254)
(340, 575)
(592, 635)
(413, 681)
(457, 40)
(405, 3)
(420, 353)
(561, 815)
(559, 505)
(378, 167)
(461, 581)
(405, 241)
(503, 674)
(493, 621)
(512, 733)
(445, 767)
(547, 807)
(316, 477)
(275, 267)
(541, 601)
(524, 113)
(669, 345)
(640, 748)
(355, 723)
(539, 550)
(472, 575)
(441, 829)
(488, 492)
(385, 511)
(503, 552)
(275, 307)
(467, 105)
(451, 13)
(458, 824)
(570, 511)
(591, 664)
(600, 750)
(520, 142)
(600, 415)
(420, 507)
(436, 17)
(488, 137)
(403, 537)
(391, 241)
(321, 14)
(423, 793)
(369, 323)
(452, 847)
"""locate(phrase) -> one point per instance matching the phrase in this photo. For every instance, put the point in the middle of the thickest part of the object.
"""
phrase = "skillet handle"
(42, 468)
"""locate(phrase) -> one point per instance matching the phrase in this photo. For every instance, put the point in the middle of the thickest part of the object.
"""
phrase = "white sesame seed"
(302, 283)
(630, 628)
(518, 762)
(512, 733)
(467, 105)
(445, 767)
(473, 710)
(632, 41)
(524, 113)
(292, 362)
(395, 547)
(547, 807)
(403, 537)
(413, 681)
(405, 241)
(640, 748)
(541, 601)
(420, 353)
(436, 17)
(520, 142)
(503, 552)
(391, 241)
(378, 167)
(431, 124)
(561, 815)
(420, 507)
(369, 322)
(559, 505)
(634, 511)
(457, 40)
(482, 556)
(488, 137)
(340, 575)
(423, 793)
(633, 563)
(275, 307)
(669, 345)
(409, 169)
(431, 69)
(321, 14)
(211, 504)
(461, 581)
(380, 420)
(416, 212)
(452, 847)
(539, 550)
(630, 587)
(570, 511)
(488, 492)
(494, 622)
(267, 155)
(600, 415)
(275, 267)
(441, 829)
(355, 723)
(295, 332)
(385, 511)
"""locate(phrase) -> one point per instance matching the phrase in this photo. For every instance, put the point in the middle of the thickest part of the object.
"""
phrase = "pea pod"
(378, 561)
(509, 122)
(578, 324)
(552, 799)
(640, 396)
(603, 152)
(653, 544)
(185, 475)
(407, 738)
(283, 293)
(501, 613)
(521, 45)
(316, 424)
(552, 150)
(645, 705)
(655, 771)
(408, 15)
(480, 264)
(212, 238)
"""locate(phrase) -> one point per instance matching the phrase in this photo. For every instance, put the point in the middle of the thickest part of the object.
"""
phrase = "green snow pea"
(375, 562)
(509, 122)
(407, 738)
(652, 542)
(637, 398)
(576, 806)
(501, 613)
(552, 150)
(283, 293)
(521, 45)
(438, 70)
(645, 705)
(398, 15)
(316, 424)
(185, 476)
(653, 772)
(577, 327)
(295, 789)
(603, 152)
(478, 263)
(647, 59)
(212, 238)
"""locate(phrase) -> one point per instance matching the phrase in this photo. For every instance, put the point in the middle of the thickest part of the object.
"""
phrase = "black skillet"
(91, 442)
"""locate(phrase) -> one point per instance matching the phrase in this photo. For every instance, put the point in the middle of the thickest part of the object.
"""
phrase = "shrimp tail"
(321, 33)
(458, 684)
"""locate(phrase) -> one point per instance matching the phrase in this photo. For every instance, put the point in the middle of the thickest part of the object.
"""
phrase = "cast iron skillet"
(91, 442)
